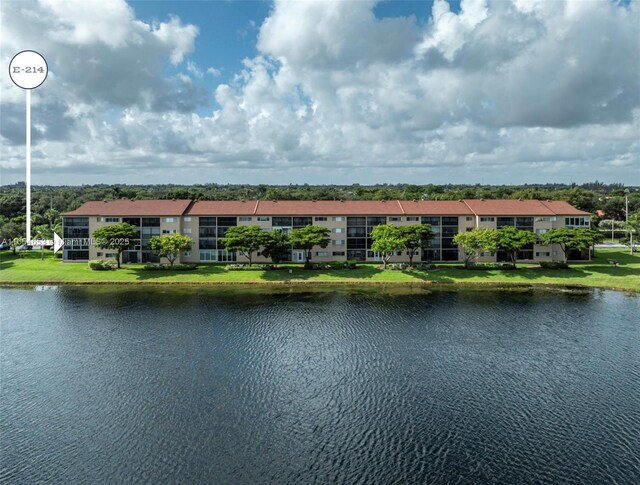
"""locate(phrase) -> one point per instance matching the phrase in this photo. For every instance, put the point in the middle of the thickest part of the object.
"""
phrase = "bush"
(246, 267)
(58, 255)
(425, 265)
(102, 265)
(397, 266)
(166, 267)
(488, 266)
(553, 265)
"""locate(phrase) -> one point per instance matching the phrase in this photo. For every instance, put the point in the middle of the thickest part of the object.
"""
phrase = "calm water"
(344, 386)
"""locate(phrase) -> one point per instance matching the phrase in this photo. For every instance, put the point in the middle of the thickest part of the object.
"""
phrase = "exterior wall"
(189, 226)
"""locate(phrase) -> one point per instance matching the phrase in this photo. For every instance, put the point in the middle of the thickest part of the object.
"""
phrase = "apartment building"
(349, 222)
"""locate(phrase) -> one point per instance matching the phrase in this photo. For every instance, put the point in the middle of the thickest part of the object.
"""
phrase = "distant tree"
(569, 238)
(52, 216)
(510, 240)
(276, 246)
(116, 237)
(170, 246)
(10, 231)
(611, 225)
(244, 239)
(43, 232)
(308, 237)
(479, 239)
(415, 237)
(386, 239)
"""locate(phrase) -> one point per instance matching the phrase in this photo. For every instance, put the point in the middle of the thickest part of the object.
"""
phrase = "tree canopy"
(415, 237)
(116, 237)
(569, 238)
(276, 246)
(309, 236)
(479, 239)
(511, 240)
(170, 246)
(244, 239)
(386, 239)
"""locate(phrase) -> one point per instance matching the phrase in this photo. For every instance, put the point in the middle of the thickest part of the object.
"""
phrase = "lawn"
(597, 273)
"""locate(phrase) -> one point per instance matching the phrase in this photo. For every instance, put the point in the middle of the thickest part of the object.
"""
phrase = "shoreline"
(436, 285)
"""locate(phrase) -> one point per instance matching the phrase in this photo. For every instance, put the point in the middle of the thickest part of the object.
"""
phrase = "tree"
(52, 216)
(244, 239)
(511, 239)
(479, 239)
(569, 238)
(43, 232)
(414, 237)
(170, 246)
(276, 246)
(309, 236)
(611, 225)
(10, 231)
(116, 237)
(386, 239)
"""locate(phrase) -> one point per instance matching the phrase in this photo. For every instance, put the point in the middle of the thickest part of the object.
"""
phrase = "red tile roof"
(328, 207)
(435, 207)
(126, 207)
(504, 207)
(223, 207)
(508, 207)
(562, 208)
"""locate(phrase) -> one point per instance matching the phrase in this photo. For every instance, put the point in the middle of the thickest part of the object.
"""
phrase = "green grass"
(597, 273)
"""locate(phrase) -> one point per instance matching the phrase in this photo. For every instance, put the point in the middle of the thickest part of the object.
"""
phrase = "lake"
(338, 385)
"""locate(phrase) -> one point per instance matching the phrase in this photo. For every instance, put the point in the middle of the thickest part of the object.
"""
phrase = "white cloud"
(499, 92)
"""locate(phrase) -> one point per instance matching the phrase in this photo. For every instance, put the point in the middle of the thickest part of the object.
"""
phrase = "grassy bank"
(597, 273)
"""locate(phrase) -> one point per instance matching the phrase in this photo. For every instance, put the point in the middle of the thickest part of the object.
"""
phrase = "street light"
(626, 219)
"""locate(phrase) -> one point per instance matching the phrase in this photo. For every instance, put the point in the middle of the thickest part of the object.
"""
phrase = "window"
(543, 219)
(338, 230)
(207, 221)
(111, 219)
(413, 218)
(541, 231)
(469, 229)
(576, 221)
(321, 218)
(553, 218)
(187, 254)
(338, 219)
(209, 255)
(543, 254)
(469, 218)
(99, 255)
(186, 219)
(487, 219)
(338, 242)
(245, 219)
(375, 221)
(322, 254)
(186, 230)
(109, 255)
(262, 218)
(168, 219)
(338, 253)
(395, 219)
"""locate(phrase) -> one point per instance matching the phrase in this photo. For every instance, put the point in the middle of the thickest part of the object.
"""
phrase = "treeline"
(47, 201)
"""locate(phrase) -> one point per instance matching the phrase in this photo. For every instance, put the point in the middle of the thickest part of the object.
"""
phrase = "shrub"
(425, 265)
(102, 265)
(397, 266)
(553, 265)
(246, 267)
(166, 267)
(488, 266)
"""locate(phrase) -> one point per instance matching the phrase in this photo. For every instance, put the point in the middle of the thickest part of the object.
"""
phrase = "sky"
(325, 92)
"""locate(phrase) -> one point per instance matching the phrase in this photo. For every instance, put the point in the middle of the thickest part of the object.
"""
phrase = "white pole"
(28, 164)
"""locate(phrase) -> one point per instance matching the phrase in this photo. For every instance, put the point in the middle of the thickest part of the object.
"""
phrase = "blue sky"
(333, 91)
